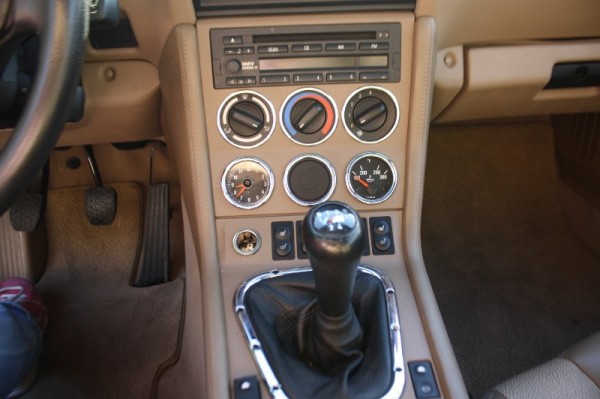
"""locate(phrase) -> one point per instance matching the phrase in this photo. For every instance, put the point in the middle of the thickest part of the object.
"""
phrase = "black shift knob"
(334, 239)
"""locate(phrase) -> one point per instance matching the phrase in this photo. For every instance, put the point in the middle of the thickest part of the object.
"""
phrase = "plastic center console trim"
(255, 345)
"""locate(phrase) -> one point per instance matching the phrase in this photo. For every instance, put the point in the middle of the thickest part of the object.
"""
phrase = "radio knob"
(370, 114)
(246, 119)
(308, 116)
(233, 66)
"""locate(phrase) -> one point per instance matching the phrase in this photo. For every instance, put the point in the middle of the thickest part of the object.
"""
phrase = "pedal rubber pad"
(26, 212)
(101, 205)
(153, 265)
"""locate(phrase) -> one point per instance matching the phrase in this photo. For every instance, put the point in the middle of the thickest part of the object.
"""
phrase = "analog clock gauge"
(247, 182)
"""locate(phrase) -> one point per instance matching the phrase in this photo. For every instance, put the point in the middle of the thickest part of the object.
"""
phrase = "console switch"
(282, 234)
(246, 388)
(381, 235)
(423, 380)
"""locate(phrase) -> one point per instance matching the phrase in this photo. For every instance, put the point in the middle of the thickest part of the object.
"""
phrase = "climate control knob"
(246, 119)
(308, 116)
(371, 114)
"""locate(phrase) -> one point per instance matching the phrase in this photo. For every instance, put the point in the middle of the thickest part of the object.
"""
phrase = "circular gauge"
(247, 183)
(371, 114)
(309, 179)
(246, 119)
(371, 177)
(308, 116)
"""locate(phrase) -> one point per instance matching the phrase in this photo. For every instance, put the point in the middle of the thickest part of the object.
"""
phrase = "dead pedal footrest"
(153, 264)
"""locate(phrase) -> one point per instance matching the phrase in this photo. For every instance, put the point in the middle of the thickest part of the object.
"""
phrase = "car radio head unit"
(305, 54)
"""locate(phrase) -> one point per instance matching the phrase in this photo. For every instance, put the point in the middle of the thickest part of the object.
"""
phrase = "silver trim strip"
(263, 199)
(294, 162)
(383, 158)
(394, 100)
(262, 102)
(255, 346)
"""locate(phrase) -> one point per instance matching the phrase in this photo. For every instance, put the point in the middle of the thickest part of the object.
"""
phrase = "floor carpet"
(104, 339)
(514, 286)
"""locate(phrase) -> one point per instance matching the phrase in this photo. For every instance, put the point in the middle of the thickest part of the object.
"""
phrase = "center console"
(298, 114)
(294, 113)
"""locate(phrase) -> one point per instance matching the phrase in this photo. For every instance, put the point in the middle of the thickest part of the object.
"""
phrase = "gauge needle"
(361, 181)
(243, 188)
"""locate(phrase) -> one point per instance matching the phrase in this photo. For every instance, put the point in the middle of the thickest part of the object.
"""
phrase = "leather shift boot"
(319, 367)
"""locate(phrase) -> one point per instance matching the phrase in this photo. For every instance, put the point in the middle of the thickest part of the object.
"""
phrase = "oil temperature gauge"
(371, 177)
(247, 182)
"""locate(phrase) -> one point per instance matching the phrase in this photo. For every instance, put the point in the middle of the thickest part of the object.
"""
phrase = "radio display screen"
(354, 62)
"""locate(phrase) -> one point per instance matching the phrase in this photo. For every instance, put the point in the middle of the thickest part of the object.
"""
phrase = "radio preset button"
(374, 76)
(232, 40)
(272, 49)
(304, 48)
(274, 79)
(374, 46)
(341, 47)
(308, 78)
(341, 76)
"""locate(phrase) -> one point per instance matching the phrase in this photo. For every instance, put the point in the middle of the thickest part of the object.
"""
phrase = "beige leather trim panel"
(204, 345)
(449, 375)
(122, 103)
(508, 81)
(466, 22)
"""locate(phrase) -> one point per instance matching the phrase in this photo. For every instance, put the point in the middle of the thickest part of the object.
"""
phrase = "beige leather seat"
(574, 375)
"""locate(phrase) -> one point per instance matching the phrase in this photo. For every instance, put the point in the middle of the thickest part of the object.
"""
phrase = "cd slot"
(308, 63)
(313, 37)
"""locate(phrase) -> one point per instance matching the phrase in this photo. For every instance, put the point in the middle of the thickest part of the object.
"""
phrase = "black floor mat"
(514, 286)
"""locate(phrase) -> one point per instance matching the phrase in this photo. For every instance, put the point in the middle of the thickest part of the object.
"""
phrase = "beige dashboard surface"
(467, 22)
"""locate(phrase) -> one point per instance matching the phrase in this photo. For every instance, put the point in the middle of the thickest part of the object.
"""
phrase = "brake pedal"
(100, 201)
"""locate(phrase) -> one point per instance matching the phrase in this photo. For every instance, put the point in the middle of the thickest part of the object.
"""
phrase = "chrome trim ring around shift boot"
(255, 346)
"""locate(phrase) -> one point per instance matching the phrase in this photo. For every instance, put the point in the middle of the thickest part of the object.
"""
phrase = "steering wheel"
(62, 26)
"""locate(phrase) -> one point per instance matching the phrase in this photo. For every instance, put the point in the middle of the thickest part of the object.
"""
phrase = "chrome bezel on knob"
(243, 142)
(285, 109)
(391, 130)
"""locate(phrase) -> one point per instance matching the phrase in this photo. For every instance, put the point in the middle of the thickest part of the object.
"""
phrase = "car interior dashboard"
(272, 110)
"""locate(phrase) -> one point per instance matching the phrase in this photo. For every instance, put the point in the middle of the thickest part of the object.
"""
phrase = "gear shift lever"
(334, 238)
